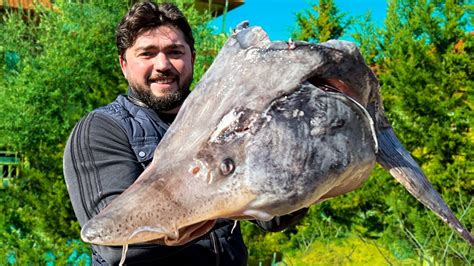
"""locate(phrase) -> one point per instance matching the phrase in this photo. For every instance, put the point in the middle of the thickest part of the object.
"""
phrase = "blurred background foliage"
(58, 64)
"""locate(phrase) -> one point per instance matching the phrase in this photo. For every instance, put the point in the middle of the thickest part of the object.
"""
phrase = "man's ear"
(193, 57)
(123, 65)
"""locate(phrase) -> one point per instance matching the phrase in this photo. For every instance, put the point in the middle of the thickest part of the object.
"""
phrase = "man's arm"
(99, 165)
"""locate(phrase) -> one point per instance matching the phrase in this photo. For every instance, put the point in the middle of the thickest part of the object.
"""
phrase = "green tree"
(56, 66)
(64, 66)
(321, 23)
(425, 67)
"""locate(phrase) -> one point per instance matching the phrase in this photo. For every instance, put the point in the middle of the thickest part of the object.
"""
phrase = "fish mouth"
(190, 232)
(153, 234)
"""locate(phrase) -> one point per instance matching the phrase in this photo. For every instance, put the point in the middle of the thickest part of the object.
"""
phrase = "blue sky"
(277, 17)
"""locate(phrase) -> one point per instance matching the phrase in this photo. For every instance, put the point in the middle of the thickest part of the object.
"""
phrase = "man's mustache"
(160, 75)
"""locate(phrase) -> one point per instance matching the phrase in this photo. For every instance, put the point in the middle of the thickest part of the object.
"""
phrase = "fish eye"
(227, 166)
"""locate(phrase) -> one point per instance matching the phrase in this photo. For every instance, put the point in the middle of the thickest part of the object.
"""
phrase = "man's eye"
(176, 53)
(146, 54)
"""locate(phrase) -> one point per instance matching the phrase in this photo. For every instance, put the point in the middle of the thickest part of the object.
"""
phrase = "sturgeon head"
(265, 132)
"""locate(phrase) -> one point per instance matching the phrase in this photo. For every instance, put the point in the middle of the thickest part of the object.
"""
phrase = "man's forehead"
(162, 35)
(152, 46)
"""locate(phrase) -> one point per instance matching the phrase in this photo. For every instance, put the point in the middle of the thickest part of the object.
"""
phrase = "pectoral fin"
(398, 161)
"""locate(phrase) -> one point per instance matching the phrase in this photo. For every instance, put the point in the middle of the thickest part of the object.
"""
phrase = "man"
(112, 145)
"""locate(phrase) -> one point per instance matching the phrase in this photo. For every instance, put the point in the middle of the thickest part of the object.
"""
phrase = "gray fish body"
(259, 137)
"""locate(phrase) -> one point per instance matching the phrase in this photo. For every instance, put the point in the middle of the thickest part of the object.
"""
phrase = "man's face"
(159, 68)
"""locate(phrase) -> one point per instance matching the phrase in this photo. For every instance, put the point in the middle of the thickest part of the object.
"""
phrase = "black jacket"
(106, 151)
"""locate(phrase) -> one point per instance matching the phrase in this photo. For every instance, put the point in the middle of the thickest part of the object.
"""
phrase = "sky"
(277, 17)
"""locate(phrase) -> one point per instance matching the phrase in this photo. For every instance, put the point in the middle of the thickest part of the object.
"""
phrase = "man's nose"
(162, 62)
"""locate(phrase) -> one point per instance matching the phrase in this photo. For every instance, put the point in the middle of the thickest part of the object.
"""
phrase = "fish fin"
(401, 165)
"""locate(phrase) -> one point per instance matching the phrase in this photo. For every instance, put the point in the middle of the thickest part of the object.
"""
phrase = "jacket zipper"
(214, 241)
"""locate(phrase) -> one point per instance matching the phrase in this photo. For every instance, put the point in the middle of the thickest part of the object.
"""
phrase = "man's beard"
(161, 103)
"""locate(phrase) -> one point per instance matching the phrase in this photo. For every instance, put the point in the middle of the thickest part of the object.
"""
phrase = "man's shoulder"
(139, 123)
(97, 123)
(122, 109)
(117, 107)
(104, 117)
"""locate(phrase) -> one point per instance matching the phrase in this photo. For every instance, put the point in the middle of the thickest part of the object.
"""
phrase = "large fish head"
(228, 155)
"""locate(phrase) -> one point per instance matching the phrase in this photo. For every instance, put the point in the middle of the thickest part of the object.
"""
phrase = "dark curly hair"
(144, 16)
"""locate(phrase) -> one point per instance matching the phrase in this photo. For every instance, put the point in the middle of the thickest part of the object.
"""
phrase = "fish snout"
(161, 207)
(117, 228)
(96, 231)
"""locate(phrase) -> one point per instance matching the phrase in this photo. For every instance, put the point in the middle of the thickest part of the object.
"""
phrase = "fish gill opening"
(333, 85)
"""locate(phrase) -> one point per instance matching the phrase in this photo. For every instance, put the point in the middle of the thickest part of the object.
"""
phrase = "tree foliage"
(425, 68)
(321, 23)
(56, 65)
